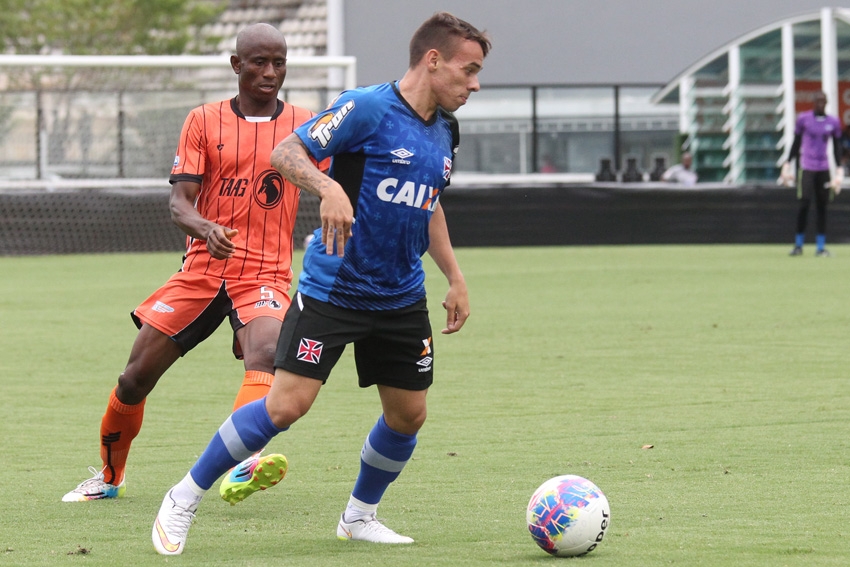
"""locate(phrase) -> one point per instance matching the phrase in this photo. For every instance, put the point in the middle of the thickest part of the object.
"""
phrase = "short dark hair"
(440, 32)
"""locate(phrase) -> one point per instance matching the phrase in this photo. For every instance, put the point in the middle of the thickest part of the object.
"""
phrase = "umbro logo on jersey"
(323, 128)
(401, 155)
(161, 307)
(409, 194)
(425, 364)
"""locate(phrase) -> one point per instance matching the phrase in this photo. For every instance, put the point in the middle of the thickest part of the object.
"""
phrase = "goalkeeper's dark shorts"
(813, 184)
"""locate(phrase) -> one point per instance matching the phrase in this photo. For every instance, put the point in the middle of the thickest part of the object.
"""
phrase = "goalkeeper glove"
(837, 180)
(786, 177)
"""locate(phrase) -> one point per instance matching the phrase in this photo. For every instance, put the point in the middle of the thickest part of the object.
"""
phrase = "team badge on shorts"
(310, 351)
(270, 303)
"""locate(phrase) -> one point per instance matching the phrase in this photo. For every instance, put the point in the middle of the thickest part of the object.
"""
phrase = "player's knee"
(133, 388)
(285, 416)
(408, 422)
(285, 413)
(261, 357)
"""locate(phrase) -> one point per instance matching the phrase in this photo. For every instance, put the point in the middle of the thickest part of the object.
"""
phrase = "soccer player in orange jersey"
(238, 214)
(393, 147)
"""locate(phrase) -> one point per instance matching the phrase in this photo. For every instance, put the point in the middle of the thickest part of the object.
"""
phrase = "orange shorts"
(190, 307)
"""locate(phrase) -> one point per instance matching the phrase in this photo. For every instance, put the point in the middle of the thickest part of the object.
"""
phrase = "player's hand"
(786, 176)
(837, 180)
(457, 308)
(337, 220)
(220, 242)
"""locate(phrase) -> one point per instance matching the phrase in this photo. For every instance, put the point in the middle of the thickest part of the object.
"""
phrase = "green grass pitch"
(730, 361)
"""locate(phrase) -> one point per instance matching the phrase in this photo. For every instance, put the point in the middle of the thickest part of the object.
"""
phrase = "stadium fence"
(87, 144)
(119, 117)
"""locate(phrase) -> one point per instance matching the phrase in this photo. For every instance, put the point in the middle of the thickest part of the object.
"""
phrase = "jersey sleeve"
(343, 128)
(191, 159)
(799, 126)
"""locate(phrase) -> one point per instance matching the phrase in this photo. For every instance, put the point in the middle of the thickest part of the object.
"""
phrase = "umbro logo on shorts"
(425, 362)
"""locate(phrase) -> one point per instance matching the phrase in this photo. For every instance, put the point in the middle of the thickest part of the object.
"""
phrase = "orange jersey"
(229, 157)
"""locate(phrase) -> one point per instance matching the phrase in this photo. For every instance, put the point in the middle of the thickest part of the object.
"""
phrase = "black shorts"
(813, 184)
(391, 347)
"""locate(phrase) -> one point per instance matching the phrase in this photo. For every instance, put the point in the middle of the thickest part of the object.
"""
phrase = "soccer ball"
(568, 515)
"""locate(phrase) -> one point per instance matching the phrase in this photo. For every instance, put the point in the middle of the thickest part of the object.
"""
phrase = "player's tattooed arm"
(292, 160)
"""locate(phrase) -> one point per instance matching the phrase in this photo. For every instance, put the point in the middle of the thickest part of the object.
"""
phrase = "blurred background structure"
(549, 104)
(574, 93)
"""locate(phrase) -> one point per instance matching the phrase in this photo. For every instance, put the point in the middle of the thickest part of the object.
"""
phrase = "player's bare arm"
(291, 159)
(186, 216)
(456, 303)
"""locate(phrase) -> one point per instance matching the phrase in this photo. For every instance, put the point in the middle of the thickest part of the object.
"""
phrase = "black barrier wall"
(632, 214)
(83, 221)
(135, 220)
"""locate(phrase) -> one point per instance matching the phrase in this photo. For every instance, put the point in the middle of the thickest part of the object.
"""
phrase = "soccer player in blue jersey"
(810, 148)
(392, 148)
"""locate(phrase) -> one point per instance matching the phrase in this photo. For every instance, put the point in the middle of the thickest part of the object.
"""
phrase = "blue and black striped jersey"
(393, 165)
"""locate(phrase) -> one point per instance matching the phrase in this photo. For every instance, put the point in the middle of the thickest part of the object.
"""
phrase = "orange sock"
(255, 385)
(118, 427)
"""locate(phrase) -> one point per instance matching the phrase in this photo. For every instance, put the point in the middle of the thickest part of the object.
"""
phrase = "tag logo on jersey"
(427, 349)
(176, 161)
(310, 351)
(401, 155)
(322, 130)
(447, 168)
(268, 189)
(409, 194)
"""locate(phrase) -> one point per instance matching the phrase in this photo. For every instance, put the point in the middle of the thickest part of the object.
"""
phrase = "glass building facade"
(738, 105)
(520, 129)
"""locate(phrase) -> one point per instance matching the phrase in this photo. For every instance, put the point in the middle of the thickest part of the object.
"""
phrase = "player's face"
(262, 70)
(820, 103)
(456, 78)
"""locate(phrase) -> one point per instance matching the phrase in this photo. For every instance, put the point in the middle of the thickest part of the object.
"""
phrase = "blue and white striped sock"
(384, 455)
(246, 431)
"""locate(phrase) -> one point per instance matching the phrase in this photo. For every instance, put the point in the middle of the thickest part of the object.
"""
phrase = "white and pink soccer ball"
(568, 515)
